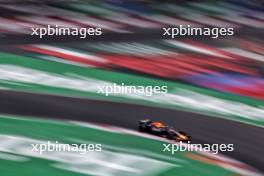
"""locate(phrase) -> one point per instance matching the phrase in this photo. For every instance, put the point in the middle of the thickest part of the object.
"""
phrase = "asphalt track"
(248, 140)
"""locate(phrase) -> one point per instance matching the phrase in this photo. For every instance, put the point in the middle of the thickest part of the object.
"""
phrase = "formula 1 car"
(159, 129)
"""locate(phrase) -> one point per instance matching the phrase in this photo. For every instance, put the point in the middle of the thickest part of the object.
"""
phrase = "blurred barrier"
(174, 60)
(129, 14)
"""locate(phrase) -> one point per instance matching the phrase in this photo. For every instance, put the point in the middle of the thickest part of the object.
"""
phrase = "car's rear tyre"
(141, 129)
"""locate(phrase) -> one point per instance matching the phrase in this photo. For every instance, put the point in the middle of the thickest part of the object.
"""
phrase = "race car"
(159, 129)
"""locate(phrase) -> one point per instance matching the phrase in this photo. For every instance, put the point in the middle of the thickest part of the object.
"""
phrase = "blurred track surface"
(203, 129)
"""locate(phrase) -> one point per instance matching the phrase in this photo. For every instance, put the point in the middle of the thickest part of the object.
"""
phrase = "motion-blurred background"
(215, 86)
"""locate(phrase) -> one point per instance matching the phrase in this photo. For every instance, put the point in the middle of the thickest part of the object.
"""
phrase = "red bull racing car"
(159, 129)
